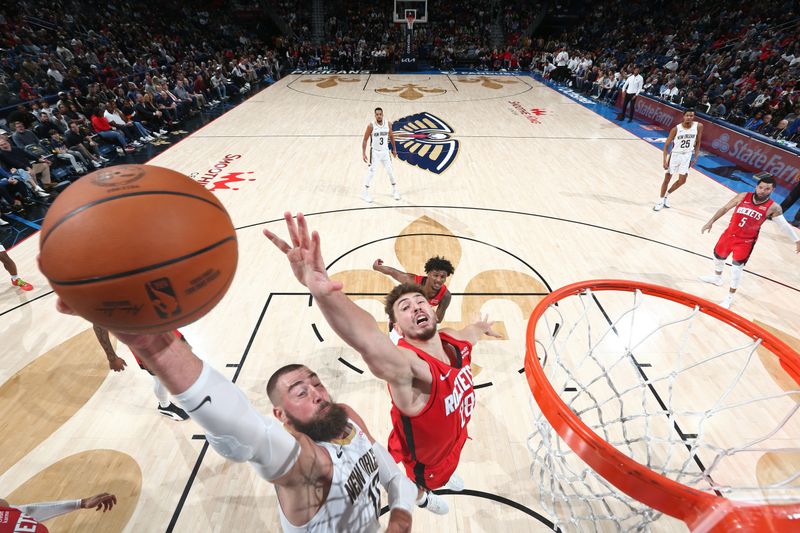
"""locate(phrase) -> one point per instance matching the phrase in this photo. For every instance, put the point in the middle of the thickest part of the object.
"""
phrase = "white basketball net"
(678, 391)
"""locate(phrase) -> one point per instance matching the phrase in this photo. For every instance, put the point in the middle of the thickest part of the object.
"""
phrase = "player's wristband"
(47, 510)
(401, 490)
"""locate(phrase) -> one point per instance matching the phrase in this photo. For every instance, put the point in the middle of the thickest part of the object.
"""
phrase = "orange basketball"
(138, 248)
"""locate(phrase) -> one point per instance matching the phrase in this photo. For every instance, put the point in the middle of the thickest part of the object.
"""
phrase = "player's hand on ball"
(305, 256)
(145, 343)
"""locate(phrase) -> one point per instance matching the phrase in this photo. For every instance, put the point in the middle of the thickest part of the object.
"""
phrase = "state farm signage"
(747, 152)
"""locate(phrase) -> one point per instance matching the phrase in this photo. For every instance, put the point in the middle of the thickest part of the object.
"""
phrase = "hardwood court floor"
(529, 201)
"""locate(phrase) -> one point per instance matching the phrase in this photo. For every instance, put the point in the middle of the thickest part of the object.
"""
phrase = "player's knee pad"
(235, 429)
(719, 264)
(736, 275)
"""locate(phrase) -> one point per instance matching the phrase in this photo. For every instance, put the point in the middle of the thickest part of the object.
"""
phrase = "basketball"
(138, 248)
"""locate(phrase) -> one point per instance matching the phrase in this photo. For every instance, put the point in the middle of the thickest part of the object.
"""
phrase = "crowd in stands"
(82, 83)
(81, 87)
(735, 60)
(362, 35)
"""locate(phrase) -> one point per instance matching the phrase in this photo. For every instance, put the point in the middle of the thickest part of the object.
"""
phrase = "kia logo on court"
(721, 143)
(217, 179)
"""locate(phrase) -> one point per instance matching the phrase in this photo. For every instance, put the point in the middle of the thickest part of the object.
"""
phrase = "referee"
(631, 89)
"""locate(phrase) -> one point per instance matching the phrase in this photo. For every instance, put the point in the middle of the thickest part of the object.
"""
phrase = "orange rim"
(699, 510)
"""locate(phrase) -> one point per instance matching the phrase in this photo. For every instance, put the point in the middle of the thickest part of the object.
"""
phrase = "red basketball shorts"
(740, 248)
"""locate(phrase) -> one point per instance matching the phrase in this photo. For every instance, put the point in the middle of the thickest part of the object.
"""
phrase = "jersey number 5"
(743, 222)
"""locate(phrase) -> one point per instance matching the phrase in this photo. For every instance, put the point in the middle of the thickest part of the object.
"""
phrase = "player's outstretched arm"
(233, 427)
(351, 323)
(722, 210)
(473, 333)
(399, 276)
(47, 510)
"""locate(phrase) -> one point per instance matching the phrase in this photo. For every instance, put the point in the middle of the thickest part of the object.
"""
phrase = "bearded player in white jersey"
(379, 133)
(687, 137)
(319, 455)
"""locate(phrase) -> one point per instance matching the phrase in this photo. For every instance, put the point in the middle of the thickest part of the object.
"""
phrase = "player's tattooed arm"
(115, 362)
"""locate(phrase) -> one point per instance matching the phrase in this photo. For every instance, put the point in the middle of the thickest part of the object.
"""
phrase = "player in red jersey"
(428, 374)
(28, 518)
(437, 269)
(752, 210)
(118, 364)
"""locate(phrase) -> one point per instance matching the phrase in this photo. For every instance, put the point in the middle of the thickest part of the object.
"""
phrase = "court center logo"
(411, 91)
(425, 141)
(216, 179)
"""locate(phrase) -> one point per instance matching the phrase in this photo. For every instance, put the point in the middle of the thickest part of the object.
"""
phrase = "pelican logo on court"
(224, 182)
(330, 81)
(489, 83)
(411, 91)
(426, 142)
(721, 143)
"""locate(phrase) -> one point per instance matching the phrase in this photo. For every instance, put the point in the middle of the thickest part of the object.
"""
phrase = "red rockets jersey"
(13, 521)
(420, 280)
(747, 218)
(429, 444)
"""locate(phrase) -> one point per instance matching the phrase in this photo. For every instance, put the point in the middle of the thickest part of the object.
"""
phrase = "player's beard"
(760, 199)
(325, 426)
(426, 334)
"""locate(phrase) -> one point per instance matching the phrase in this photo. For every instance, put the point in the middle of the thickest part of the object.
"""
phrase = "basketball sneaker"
(659, 205)
(666, 202)
(455, 483)
(366, 197)
(173, 411)
(22, 284)
(433, 503)
(726, 303)
(714, 280)
(396, 194)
